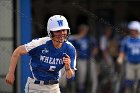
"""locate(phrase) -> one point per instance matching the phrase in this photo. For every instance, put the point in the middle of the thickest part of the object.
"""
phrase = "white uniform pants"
(132, 71)
(93, 74)
(82, 70)
(38, 88)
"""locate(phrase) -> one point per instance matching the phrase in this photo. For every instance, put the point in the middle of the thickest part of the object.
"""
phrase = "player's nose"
(63, 31)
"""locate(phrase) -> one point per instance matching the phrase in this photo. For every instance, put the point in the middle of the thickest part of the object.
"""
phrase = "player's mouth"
(60, 38)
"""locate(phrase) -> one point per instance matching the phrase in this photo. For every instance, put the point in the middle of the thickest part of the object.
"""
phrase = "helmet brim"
(60, 28)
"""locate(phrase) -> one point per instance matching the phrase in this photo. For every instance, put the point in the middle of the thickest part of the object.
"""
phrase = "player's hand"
(10, 78)
(66, 61)
(119, 65)
(119, 61)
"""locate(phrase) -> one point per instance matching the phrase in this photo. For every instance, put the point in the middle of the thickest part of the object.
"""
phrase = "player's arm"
(123, 50)
(13, 62)
(95, 47)
(69, 71)
(94, 51)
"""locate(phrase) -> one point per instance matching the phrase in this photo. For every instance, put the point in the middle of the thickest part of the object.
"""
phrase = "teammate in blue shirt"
(86, 47)
(130, 49)
(48, 56)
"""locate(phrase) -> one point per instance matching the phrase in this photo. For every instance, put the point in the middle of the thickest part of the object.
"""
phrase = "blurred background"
(104, 22)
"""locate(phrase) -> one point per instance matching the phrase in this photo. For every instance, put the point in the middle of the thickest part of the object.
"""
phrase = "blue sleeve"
(72, 53)
(123, 45)
(33, 51)
(74, 43)
(94, 43)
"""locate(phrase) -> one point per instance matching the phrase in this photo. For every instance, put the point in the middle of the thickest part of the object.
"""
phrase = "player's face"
(133, 33)
(60, 35)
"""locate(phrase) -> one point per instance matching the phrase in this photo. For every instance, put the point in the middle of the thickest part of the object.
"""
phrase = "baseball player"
(130, 49)
(86, 49)
(48, 56)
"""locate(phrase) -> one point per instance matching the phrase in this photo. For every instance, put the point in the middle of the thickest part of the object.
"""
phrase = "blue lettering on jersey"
(60, 22)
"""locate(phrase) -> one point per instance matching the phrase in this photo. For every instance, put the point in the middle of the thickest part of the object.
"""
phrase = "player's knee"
(129, 83)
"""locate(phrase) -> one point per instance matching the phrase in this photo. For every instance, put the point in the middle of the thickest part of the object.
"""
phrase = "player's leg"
(63, 80)
(130, 77)
(81, 74)
(30, 87)
(138, 86)
(93, 74)
(38, 88)
(33, 88)
(138, 76)
(53, 88)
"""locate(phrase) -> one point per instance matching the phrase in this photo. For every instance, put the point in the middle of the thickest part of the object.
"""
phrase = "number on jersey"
(52, 68)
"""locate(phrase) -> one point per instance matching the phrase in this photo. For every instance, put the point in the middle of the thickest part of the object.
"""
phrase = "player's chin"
(61, 41)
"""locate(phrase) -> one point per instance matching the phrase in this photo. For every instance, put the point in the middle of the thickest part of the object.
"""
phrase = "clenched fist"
(67, 61)
(10, 78)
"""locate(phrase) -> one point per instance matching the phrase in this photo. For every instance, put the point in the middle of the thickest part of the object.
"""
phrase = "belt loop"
(41, 82)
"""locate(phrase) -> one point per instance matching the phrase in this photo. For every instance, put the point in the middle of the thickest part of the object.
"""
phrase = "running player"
(48, 56)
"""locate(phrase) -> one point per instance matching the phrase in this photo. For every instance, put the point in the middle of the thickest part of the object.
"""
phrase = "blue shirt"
(84, 46)
(131, 47)
(46, 61)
